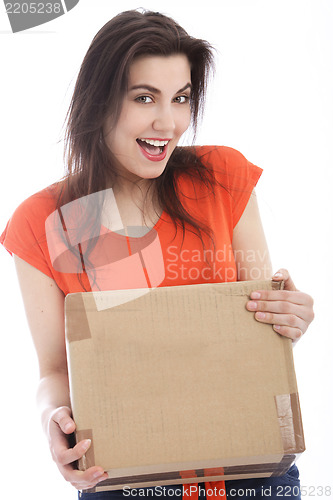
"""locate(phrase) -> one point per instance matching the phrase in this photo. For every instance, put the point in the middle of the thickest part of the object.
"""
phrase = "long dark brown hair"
(100, 89)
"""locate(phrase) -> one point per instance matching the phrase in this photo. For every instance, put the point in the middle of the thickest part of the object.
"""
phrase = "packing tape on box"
(76, 324)
(289, 417)
(88, 459)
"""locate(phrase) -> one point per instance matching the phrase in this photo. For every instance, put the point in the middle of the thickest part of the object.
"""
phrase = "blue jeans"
(270, 488)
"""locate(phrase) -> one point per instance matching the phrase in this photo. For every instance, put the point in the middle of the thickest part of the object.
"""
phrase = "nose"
(164, 119)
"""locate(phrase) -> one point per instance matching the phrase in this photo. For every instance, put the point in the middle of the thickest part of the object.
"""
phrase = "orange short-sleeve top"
(162, 257)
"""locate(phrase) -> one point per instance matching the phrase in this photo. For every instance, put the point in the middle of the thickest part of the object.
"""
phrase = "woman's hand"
(60, 426)
(289, 310)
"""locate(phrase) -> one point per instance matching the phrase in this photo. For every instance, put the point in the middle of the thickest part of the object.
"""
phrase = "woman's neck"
(136, 202)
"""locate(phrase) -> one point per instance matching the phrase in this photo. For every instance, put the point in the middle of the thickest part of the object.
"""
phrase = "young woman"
(141, 84)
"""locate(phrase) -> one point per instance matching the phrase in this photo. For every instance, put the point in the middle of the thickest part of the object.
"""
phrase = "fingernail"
(278, 275)
(260, 315)
(255, 295)
(98, 474)
(68, 427)
(252, 305)
(86, 444)
(277, 327)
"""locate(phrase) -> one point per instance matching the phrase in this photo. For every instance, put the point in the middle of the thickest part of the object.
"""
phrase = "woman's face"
(155, 113)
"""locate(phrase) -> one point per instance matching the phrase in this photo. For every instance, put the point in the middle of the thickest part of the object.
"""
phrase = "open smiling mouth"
(153, 149)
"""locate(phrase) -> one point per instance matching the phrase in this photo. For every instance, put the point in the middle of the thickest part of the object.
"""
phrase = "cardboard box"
(181, 385)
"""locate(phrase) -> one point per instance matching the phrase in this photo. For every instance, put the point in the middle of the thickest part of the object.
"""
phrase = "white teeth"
(155, 143)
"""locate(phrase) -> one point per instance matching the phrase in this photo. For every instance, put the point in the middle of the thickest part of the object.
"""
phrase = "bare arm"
(44, 306)
(289, 311)
(249, 245)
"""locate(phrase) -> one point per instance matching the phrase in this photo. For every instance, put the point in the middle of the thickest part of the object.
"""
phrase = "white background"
(271, 99)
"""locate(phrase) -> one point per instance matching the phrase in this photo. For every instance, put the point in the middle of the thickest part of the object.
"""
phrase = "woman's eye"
(181, 99)
(143, 99)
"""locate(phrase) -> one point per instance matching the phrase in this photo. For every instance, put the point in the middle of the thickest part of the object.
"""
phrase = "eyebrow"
(154, 90)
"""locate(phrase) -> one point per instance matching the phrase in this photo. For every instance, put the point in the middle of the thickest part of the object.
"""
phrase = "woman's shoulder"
(233, 172)
(220, 155)
(39, 203)
(24, 234)
(228, 163)
(224, 170)
(30, 215)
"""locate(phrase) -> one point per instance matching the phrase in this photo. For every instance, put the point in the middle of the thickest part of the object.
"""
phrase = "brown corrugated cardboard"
(181, 385)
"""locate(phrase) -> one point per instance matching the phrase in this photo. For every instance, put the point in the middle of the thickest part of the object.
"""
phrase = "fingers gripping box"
(181, 384)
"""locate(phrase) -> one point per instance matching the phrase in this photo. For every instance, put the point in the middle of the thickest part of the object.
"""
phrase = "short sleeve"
(235, 174)
(24, 234)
